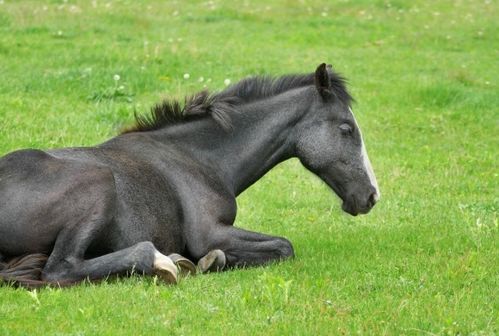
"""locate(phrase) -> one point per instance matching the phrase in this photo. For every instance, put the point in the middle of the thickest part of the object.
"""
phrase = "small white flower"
(121, 87)
(324, 14)
(59, 33)
(227, 82)
(116, 77)
(74, 9)
(208, 80)
(187, 76)
(201, 79)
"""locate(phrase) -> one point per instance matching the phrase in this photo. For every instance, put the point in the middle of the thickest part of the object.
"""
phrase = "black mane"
(261, 87)
(170, 112)
(219, 105)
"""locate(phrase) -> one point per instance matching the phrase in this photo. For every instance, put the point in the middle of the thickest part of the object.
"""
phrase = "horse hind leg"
(67, 263)
(184, 265)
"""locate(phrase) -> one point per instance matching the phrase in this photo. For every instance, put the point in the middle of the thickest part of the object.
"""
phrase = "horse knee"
(285, 248)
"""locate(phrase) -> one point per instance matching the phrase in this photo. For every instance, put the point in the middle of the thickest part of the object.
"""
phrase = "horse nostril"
(373, 198)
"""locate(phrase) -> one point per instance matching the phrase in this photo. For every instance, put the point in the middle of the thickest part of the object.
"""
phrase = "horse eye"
(346, 129)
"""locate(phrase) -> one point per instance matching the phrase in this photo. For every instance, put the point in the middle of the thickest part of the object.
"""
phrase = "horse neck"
(262, 136)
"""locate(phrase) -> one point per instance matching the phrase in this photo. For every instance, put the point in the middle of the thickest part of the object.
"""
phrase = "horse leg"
(184, 265)
(230, 247)
(66, 263)
(141, 258)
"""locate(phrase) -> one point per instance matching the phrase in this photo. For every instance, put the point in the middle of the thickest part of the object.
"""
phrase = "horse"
(161, 196)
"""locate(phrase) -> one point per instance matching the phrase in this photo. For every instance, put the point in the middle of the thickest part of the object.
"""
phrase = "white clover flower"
(116, 77)
(201, 79)
(227, 82)
(187, 76)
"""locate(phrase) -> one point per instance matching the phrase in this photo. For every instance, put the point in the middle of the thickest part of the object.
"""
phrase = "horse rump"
(23, 271)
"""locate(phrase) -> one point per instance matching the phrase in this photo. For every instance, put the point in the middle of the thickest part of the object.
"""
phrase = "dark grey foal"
(167, 187)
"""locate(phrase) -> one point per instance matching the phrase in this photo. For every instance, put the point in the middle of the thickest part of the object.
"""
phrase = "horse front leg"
(229, 247)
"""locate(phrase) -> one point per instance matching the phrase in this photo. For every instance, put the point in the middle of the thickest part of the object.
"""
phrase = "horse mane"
(260, 87)
(220, 105)
(197, 106)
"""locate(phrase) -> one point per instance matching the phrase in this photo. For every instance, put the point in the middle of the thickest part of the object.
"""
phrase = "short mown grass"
(425, 76)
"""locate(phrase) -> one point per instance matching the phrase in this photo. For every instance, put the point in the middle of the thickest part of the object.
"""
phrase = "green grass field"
(425, 76)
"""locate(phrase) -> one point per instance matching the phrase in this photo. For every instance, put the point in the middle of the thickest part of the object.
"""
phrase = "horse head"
(330, 144)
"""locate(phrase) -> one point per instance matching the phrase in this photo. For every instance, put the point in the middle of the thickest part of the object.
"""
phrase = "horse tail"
(24, 271)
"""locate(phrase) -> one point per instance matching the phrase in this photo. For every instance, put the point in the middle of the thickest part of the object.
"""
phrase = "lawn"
(425, 77)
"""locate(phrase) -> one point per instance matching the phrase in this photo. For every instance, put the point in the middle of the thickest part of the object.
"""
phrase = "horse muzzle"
(357, 205)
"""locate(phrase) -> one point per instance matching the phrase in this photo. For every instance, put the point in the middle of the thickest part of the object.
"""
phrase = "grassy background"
(425, 75)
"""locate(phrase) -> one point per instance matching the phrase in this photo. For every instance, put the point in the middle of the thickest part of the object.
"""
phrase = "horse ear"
(322, 80)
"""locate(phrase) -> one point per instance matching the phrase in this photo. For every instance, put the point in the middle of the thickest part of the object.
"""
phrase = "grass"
(425, 75)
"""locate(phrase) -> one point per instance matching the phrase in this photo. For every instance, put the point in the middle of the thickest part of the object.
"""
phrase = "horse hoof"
(165, 269)
(214, 261)
(184, 265)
